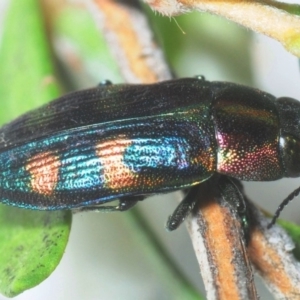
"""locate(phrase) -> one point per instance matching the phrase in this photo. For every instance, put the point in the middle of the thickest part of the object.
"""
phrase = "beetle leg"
(228, 188)
(183, 209)
(231, 191)
(125, 203)
(128, 202)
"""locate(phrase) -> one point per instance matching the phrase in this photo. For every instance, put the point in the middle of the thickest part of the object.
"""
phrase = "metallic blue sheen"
(169, 152)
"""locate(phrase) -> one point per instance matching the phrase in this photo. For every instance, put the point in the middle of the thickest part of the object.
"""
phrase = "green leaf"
(288, 7)
(31, 246)
(31, 242)
(294, 232)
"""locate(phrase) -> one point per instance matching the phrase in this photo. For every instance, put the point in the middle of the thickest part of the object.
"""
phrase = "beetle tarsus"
(128, 202)
(231, 192)
(182, 210)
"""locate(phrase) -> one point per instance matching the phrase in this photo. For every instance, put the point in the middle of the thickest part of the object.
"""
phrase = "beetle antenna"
(280, 208)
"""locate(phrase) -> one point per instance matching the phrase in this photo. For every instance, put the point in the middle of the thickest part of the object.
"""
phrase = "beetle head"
(289, 142)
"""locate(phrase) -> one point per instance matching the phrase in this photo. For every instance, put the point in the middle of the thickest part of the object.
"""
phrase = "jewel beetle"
(129, 141)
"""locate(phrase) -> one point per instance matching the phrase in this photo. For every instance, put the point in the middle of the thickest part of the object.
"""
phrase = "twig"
(218, 240)
(266, 17)
(130, 38)
(270, 252)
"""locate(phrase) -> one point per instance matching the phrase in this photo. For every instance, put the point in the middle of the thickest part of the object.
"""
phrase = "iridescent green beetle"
(128, 141)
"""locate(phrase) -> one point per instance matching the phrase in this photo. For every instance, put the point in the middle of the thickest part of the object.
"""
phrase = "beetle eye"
(290, 147)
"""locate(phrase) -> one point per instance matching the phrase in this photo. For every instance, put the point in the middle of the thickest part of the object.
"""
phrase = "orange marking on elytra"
(116, 173)
(44, 169)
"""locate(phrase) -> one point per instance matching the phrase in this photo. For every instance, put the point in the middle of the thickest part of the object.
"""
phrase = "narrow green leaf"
(26, 73)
